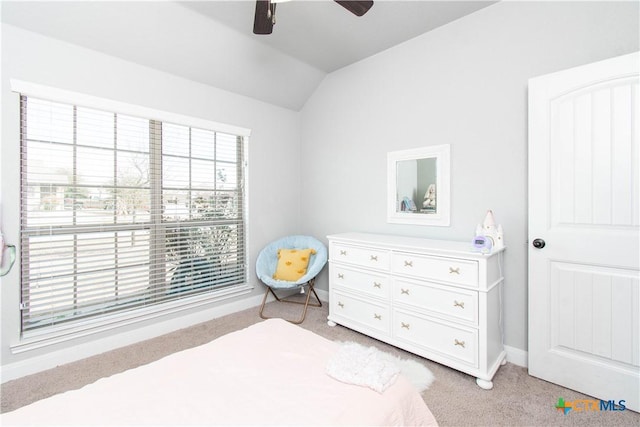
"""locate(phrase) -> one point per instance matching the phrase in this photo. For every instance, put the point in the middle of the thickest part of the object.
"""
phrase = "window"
(120, 212)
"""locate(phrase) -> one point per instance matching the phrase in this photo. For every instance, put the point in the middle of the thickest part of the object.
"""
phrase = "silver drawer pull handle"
(458, 304)
(340, 276)
(374, 257)
(454, 270)
(377, 285)
(405, 325)
(343, 252)
(408, 263)
(404, 291)
(340, 304)
(460, 343)
(377, 316)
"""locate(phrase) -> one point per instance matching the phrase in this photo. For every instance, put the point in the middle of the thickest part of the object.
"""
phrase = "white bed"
(271, 373)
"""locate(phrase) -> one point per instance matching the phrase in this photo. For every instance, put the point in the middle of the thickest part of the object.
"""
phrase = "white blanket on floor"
(363, 366)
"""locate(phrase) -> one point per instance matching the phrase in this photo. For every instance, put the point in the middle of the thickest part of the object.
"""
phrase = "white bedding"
(272, 373)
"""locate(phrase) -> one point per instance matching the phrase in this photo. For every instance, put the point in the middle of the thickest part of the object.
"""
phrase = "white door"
(584, 256)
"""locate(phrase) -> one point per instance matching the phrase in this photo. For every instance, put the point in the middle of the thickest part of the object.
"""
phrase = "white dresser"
(434, 298)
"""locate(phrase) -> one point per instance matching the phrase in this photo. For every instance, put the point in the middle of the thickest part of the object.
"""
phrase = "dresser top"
(412, 243)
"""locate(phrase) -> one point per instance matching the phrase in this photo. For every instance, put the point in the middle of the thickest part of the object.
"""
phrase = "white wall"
(31, 57)
(464, 84)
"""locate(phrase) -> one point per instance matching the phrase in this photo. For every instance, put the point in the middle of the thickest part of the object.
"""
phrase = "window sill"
(53, 336)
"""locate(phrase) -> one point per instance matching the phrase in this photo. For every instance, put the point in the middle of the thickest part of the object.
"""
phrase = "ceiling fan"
(265, 17)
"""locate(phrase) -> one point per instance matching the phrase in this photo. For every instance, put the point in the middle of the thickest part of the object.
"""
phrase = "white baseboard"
(43, 362)
(517, 356)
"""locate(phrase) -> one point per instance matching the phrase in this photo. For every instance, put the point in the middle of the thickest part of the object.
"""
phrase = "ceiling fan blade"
(358, 8)
(263, 20)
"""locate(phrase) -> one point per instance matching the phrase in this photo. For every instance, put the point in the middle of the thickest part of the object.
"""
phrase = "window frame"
(66, 331)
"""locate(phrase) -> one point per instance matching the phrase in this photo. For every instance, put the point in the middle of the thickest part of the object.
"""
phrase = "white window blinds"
(121, 212)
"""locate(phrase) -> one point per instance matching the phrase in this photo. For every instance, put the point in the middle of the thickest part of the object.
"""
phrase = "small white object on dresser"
(435, 298)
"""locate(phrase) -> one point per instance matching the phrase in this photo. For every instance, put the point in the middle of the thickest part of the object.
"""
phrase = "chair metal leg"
(306, 302)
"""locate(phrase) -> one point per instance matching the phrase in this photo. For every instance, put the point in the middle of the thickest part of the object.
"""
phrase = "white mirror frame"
(443, 164)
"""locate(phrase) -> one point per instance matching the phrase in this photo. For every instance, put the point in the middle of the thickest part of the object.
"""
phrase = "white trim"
(56, 335)
(517, 356)
(76, 98)
(64, 333)
(51, 360)
(74, 353)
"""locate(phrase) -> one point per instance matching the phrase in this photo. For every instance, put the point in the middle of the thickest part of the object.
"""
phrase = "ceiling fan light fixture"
(271, 12)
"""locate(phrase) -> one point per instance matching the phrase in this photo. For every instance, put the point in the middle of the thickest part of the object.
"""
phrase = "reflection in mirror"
(416, 186)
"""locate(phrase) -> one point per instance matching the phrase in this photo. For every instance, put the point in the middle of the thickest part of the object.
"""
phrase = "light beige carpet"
(516, 399)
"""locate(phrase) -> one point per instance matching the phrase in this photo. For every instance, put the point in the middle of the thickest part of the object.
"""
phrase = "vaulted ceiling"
(212, 41)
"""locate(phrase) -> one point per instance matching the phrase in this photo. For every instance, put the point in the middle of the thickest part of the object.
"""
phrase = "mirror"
(418, 186)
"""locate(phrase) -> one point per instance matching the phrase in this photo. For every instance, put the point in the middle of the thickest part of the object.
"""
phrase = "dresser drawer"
(450, 341)
(361, 256)
(377, 285)
(452, 270)
(367, 313)
(458, 304)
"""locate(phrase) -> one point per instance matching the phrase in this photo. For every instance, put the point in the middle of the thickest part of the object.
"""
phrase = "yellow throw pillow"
(292, 264)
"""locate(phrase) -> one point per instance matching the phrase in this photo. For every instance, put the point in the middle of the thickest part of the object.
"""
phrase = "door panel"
(584, 193)
(593, 158)
(594, 311)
